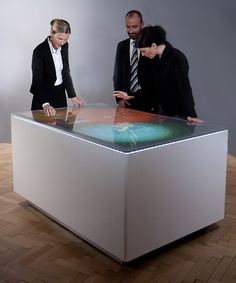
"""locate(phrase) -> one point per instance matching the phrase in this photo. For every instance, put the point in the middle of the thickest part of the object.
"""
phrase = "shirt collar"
(132, 41)
(53, 50)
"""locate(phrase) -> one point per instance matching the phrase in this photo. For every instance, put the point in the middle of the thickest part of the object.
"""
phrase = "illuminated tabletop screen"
(122, 129)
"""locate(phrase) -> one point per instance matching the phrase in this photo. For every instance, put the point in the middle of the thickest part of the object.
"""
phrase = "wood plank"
(34, 248)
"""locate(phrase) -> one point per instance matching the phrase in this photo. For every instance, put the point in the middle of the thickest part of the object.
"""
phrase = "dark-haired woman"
(172, 92)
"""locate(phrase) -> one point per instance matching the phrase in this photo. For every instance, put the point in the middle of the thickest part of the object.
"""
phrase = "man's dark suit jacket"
(44, 74)
(171, 86)
(122, 73)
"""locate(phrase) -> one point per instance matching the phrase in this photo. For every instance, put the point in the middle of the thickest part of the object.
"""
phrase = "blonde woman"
(51, 78)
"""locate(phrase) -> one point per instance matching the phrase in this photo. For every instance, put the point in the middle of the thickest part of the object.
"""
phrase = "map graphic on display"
(119, 128)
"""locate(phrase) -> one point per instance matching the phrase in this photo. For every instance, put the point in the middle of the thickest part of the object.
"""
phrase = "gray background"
(204, 30)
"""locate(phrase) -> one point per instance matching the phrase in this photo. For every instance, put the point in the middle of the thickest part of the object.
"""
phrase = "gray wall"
(204, 30)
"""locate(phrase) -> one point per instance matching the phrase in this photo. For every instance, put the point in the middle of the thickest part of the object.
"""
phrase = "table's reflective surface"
(120, 128)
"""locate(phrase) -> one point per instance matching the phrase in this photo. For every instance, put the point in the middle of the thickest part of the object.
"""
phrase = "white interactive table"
(126, 181)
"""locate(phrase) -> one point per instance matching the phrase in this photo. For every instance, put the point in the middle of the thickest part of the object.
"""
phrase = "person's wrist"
(45, 104)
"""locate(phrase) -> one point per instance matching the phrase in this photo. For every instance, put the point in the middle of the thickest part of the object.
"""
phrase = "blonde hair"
(60, 25)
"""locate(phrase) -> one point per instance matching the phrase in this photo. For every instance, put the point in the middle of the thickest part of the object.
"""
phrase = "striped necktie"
(134, 85)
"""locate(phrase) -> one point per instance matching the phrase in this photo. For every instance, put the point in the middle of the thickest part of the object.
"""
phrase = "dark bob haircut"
(150, 35)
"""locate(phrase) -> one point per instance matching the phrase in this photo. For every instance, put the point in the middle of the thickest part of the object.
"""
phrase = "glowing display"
(130, 134)
(123, 129)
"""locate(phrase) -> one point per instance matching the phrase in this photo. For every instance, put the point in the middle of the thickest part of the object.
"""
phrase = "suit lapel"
(48, 56)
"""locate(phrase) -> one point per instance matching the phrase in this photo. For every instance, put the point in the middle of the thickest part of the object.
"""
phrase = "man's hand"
(122, 95)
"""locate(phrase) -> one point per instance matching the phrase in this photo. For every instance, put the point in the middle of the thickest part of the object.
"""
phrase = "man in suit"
(125, 96)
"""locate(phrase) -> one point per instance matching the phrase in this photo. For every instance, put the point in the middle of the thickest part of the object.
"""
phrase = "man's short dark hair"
(150, 35)
(134, 12)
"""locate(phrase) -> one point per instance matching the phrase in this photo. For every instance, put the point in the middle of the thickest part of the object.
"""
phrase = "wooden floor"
(33, 248)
